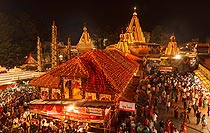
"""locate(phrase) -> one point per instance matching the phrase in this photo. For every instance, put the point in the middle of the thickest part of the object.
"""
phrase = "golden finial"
(85, 28)
(134, 13)
(134, 8)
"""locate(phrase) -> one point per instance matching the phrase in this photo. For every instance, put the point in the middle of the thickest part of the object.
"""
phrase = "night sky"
(187, 19)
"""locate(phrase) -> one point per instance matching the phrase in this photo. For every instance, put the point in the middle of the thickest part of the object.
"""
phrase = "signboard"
(127, 106)
(166, 69)
(94, 111)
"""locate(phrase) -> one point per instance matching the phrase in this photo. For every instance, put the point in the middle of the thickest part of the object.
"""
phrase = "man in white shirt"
(175, 130)
(155, 118)
(153, 130)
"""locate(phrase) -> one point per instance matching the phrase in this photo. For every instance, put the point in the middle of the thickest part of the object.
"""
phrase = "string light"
(105, 70)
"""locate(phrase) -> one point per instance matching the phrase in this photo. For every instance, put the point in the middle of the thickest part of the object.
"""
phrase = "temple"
(134, 42)
(85, 42)
(123, 45)
(172, 49)
(29, 64)
(134, 32)
(86, 87)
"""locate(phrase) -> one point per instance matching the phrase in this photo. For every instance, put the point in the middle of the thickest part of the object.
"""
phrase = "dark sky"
(186, 18)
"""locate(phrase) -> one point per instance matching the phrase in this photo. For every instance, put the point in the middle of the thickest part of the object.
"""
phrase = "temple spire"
(69, 49)
(54, 46)
(134, 28)
(39, 54)
(172, 49)
(85, 42)
(134, 10)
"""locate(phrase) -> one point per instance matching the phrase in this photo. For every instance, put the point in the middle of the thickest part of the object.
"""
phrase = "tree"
(160, 36)
(106, 35)
(147, 36)
(18, 38)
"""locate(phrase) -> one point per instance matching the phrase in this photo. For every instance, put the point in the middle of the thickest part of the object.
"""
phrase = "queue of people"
(168, 89)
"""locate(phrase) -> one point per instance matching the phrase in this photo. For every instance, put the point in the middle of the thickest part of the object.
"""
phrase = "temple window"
(45, 93)
(90, 96)
(104, 97)
(56, 94)
(76, 89)
(68, 90)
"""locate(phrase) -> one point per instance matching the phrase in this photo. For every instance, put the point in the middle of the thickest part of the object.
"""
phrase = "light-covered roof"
(10, 77)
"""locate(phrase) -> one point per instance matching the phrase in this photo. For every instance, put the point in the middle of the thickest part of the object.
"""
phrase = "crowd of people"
(159, 91)
(15, 116)
(165, 92)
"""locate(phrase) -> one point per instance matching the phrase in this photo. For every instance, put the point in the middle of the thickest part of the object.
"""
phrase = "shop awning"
(81, 103)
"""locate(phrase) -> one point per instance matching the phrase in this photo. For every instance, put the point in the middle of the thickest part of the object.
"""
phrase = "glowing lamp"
(76, 111)
(70, 108)
(177, 56)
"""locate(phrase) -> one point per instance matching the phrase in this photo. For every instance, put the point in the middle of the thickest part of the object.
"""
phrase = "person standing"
(168, 126)
(175, 130)
(204, 121)
(162, 124)
(195, 108)
(168, 105)
(154, 117)
(176, 112)
(153, 130)
(208, 111)
(184, 127)
(189, 106)
(198, 116)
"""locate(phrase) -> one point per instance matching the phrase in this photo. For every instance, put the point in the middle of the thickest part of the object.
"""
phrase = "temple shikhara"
(133, 42)
(85, 43)
(172, 49)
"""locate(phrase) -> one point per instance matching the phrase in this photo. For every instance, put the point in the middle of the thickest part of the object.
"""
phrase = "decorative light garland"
(102, 67)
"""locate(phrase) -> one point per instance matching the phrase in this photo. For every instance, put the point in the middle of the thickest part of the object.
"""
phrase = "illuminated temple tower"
(85, 42)
(133, 40)
(54, 46)
(172, 49)
(122, 45)
(134, 32)
(39, 54)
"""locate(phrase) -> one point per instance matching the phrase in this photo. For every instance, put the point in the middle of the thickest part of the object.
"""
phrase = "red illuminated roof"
(46, 80)
(72, 68)
(103, 69)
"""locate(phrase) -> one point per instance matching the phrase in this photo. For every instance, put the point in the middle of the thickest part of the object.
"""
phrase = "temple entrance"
(68, 89)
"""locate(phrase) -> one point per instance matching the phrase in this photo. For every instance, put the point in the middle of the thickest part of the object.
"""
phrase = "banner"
(166, 69)
(127, 106)
(94, 111)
